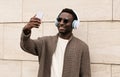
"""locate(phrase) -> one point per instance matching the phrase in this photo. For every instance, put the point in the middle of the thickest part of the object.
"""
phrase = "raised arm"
(26, 43)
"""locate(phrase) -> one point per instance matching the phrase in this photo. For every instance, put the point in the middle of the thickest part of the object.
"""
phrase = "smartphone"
(39, 15)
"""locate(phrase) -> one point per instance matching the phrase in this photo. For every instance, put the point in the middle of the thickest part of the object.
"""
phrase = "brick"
(87, 10)
(100, 70)
(95, 10)
(1, 41)
(49, 29)
(30, 69)
(104, 42)
(116, 9)
(12, 48)
(10, 68)
(11, 11)
(115, 70)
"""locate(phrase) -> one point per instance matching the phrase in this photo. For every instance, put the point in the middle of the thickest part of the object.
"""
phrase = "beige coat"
(76, 59)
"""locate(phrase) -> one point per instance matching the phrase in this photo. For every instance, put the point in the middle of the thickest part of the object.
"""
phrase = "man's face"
(65, 23)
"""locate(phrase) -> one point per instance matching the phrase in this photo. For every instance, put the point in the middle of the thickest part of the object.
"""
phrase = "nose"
(61, 22)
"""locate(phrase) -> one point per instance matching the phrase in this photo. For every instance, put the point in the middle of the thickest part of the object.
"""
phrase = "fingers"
(34, 22)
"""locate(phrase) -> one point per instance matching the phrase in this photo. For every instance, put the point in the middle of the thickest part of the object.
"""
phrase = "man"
(62, 55)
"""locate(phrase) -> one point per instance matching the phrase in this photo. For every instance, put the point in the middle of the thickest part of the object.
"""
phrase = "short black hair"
(68, 10)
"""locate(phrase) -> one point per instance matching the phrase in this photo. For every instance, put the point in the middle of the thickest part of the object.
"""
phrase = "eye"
(59, 19)
(66, 21)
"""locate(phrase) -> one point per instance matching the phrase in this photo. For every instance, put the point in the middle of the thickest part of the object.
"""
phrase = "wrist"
(26, 31)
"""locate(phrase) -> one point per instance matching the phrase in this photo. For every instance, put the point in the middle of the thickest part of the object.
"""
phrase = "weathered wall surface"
(99, 28)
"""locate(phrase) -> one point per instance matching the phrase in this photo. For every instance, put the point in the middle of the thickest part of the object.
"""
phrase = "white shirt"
(58, 58)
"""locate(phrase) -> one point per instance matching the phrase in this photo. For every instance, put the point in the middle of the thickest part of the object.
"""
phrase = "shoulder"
(47, 38)
(80, 42)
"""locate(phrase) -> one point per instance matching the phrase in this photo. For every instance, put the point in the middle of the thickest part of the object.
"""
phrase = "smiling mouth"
(61, 28)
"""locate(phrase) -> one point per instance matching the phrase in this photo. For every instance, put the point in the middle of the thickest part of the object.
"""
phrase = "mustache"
(63, 25)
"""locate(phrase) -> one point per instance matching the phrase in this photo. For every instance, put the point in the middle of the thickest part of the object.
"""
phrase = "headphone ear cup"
(56, 23)
(75, 24)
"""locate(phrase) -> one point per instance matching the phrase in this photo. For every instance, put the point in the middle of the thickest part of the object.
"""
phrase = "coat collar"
(68, 39)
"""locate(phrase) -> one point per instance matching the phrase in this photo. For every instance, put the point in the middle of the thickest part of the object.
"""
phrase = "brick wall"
(99, 28)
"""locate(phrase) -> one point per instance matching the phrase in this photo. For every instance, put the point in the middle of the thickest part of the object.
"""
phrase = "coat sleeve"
(85, 70)
(29, 45)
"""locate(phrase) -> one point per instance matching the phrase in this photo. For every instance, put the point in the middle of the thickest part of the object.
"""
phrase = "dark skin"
(65, 29)
(33, 23)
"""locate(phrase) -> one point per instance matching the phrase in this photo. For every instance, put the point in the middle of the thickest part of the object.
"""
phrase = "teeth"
(61, 28)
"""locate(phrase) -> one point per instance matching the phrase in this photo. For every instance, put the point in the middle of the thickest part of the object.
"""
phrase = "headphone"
(75, 23)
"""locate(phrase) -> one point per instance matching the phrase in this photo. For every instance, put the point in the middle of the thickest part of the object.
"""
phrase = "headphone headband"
(75, 23)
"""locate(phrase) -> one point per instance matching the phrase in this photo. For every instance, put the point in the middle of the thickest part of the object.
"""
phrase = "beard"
(64, 32)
